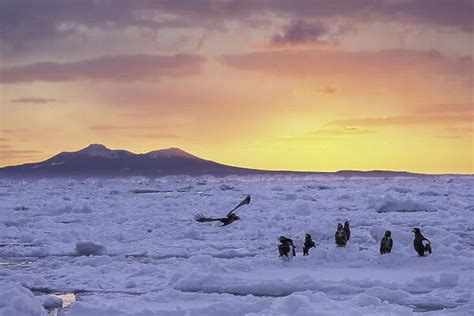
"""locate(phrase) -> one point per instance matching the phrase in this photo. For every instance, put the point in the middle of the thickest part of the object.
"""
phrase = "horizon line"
(415, 173)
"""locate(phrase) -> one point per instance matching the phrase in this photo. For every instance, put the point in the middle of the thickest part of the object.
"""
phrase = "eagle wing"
(199, 217)
(244, 202)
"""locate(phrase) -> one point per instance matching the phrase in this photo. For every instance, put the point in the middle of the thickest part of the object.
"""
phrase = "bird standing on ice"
(420, 243)
(286, 248)
(347, 229)
(341, 236)
(386, 243)
(308, 244)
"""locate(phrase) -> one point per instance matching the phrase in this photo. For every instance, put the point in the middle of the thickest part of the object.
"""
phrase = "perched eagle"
(308, 244)
(386, 243)
(420, 243)
(347, 229)
(340, 236)
(286, 248)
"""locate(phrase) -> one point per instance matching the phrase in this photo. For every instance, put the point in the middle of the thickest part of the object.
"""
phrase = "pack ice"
(131, 247)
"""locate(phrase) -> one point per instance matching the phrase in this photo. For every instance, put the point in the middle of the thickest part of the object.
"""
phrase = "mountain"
(96, 160)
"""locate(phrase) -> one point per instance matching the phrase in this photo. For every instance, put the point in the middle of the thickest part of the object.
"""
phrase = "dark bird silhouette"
(347, 229)
(420, 243)
(230, 217)
(286, 248)
(308, 244)
(341, 237)
(386, 243)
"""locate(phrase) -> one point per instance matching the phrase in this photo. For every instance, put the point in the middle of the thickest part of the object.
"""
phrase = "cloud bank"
(113, 68)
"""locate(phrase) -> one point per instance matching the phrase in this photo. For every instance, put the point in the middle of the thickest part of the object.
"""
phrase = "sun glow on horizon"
(272, 88)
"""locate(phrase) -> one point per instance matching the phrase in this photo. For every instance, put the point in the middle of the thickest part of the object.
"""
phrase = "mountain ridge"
(101, 161)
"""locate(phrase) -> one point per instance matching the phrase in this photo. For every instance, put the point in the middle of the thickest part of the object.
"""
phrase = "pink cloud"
(309, 63)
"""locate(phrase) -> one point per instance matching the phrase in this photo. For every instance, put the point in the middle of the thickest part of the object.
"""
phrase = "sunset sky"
(295, 85)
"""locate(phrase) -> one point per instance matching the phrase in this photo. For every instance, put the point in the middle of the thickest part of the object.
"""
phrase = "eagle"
(420, 243)
(340, 236)
(286, 248)
(230, 217)
(308, 244)
(347, 229)
(386, 243)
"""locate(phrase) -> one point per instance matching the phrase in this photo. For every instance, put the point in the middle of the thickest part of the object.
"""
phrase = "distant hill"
(96, 160)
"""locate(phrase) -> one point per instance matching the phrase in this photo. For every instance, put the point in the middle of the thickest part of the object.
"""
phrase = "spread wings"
(244, 202)
(199, 217)
(231, 215)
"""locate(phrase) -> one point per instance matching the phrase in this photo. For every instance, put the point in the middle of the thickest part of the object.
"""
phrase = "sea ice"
(123, 253)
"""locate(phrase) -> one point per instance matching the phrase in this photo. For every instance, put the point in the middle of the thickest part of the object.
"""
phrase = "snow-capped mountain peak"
(170, 153)
(99, 150)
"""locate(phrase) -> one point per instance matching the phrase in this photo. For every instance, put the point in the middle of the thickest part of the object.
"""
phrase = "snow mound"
(387, 294)
(367, 300)
(89, 248)
(291, 304)
(445, 280)
(17, 300)
(225, 187)
(343, 254)
(390, 204)
(377, 232)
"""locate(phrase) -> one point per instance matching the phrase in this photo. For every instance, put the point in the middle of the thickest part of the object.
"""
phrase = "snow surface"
(124, 253)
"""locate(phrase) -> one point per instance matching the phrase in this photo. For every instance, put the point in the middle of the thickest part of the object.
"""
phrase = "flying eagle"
(230, 217)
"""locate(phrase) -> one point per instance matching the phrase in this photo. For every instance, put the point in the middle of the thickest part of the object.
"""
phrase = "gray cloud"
(29, 20)
(300, 32)
(114, 68)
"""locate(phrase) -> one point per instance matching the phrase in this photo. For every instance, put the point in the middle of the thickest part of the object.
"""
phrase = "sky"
(281, 85)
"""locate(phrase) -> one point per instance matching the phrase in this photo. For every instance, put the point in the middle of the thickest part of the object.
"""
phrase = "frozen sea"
(152, 258)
